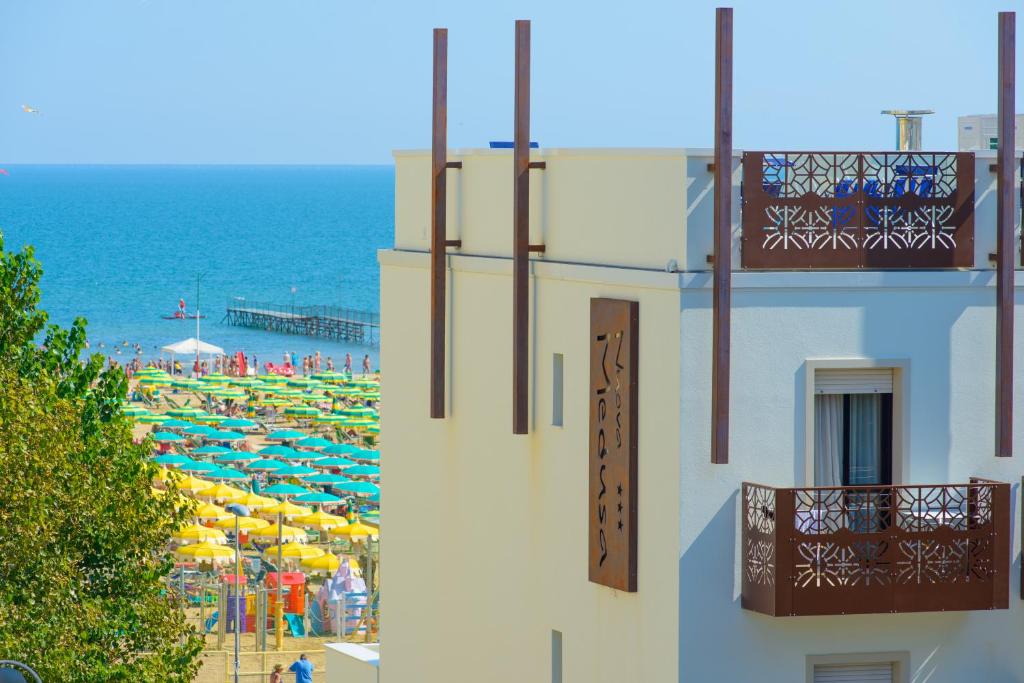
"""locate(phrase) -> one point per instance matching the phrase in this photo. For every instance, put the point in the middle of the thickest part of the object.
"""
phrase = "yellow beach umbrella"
(244, 523)
(287, 509)
(209, 511)
(256, 502)
(288, 534)
(220, 493)
(188, 483)
(294, 551)
(324, 521)
(356, 531)
(199, 533)
(208, 552)
(326, 564)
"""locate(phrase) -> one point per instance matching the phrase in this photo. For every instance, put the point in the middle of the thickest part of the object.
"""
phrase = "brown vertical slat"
(1005, 252)
(785, 549)
(722, 295)
(438, 216)
(1002, 543)
(521, 234)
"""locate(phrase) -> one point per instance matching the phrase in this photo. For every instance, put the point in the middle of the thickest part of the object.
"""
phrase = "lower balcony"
(876, 549)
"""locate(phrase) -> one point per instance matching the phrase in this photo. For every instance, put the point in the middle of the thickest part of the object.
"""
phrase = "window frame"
(899, 659)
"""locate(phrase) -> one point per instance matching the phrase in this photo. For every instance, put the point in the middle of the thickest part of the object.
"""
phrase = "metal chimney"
(908, 127)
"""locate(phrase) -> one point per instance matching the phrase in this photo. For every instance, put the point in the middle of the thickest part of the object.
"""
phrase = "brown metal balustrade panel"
(849, 210)
(863, 550)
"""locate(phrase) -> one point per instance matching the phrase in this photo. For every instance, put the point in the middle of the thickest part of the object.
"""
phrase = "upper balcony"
(875, 549)
(653, 208)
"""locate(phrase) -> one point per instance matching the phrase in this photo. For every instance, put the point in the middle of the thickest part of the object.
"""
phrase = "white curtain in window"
(865, 439)
(828, 440)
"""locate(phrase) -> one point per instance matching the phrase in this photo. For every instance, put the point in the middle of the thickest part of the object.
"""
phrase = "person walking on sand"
(276, 676)
(348, 363)
(366, 364)
(316, 362)
(303, 669)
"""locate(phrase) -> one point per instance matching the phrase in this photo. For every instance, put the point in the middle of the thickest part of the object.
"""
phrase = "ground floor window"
(859, 667)
(854, 673)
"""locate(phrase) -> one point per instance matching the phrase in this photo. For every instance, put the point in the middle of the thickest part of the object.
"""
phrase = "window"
(853, 673)
(859, 667)
(557, 390)
(853, 427)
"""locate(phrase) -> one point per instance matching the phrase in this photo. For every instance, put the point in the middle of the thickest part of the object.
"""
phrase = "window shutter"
(853, 381)
(853, 673)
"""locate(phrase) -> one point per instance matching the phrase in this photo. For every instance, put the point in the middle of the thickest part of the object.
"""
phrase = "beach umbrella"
(292, 471)
(340, 449)
(196, 430)
(313, 442)
(359, 487)
(185, 412)
(237, 423)
(265, 465)
(229, 393)
(166, 437)
(279, 450)
(356, 531)
(316, 498)
(188, 483)
(236, 456)
(215, 377)
(301, 411)
(366, 456)
(362, 471)
(373, 429)
(197, 533)
(154, 381)
(226, 473)
(272, 379)
(171, 459)
(287, 510)
(255, 501)
(326, 479)
(285, 435)
(323, 521)
(226, 436)
(208, 553)
(185, 383)
(244, 523)
(294, 551)
(210, 512)
(210, 419)
(288, 534)
(194, 466)
(245, 382)
(274, 402)
(220, 493)
(315, 397)
(133, 411)
(329, 419)
(347, 391)
(177, 424)
(285, 490)
(152, 419)
(299, 381)
(336, 461)
(212, 449)
(325, 565)
(375, 498)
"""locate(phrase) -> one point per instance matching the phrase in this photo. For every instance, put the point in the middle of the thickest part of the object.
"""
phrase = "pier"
(331, 322)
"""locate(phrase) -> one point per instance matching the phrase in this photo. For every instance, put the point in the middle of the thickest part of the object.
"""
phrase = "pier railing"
(333, 322)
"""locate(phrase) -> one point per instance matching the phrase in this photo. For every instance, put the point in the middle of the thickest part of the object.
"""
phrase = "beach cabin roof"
(192, 346)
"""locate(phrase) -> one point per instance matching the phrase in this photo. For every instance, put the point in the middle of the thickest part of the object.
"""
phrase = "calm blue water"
(120, 245)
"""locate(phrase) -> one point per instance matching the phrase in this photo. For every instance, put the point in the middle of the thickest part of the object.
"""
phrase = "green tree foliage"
(82, 538)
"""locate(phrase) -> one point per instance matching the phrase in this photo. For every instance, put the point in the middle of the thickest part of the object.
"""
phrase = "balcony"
(846, 210)
(862, 550)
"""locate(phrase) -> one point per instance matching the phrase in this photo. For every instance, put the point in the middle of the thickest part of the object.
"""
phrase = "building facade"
(862, 528)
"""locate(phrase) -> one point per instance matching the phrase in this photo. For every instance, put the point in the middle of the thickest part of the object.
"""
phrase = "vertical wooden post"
(521, 234)
(438, 216)
(722, 285)
(1006, 251)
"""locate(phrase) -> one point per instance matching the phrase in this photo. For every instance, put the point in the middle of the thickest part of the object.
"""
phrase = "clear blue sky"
(339, 81)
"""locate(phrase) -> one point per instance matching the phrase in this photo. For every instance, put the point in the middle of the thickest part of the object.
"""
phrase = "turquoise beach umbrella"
(293, 471)
(336, 461)
(314, 442)
(198, 467)
(285, 435)
(285, 490)
(199, 430)
(172, 459)
(364, 487)
(236, 456)
(266, 465)
(212, 450)
(238, 423)
(362, 471)
(166, 437)
(175, 424)
(225, 436)
(226, 473)
(367, 455)
(279, 450)
(340, 449)
(327, 479)
(316, 498)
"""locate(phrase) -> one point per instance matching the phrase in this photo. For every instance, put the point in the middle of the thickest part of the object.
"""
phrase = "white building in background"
(863, 354)
(978, 132)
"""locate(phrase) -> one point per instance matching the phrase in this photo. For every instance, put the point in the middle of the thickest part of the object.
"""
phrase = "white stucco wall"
(942, 325)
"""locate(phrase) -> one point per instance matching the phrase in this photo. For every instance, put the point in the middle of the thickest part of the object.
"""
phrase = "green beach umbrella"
(315, 397)
(329, 419)
(335, 461)
(359, 411)
(166, 437)
(275, 402)
(316, 498)
(286, 435)
(299, 381)
(171, 459)
(185, 412)
(215, 377)
(272, 379)
(186, 383)
(133, 411)
(285, 490)
(301, 411)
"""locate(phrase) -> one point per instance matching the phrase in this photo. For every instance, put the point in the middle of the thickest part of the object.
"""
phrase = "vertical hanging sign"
(614, 332)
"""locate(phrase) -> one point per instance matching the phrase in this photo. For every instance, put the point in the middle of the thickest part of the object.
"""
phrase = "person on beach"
(330, 364)
(316, 362)
(366, 364)
(348, 363)
(303, 669)
(295, 359)
(276, 676)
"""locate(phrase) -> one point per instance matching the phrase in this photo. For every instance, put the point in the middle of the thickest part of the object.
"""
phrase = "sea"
(120, 245)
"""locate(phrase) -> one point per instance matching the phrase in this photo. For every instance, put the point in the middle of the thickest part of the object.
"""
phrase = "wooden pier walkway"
(331, 322)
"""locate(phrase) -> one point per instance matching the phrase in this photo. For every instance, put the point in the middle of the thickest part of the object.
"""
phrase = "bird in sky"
(29, 110)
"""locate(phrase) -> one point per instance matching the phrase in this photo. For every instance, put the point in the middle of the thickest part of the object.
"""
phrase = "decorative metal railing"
(845, 210)
(859, 549)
